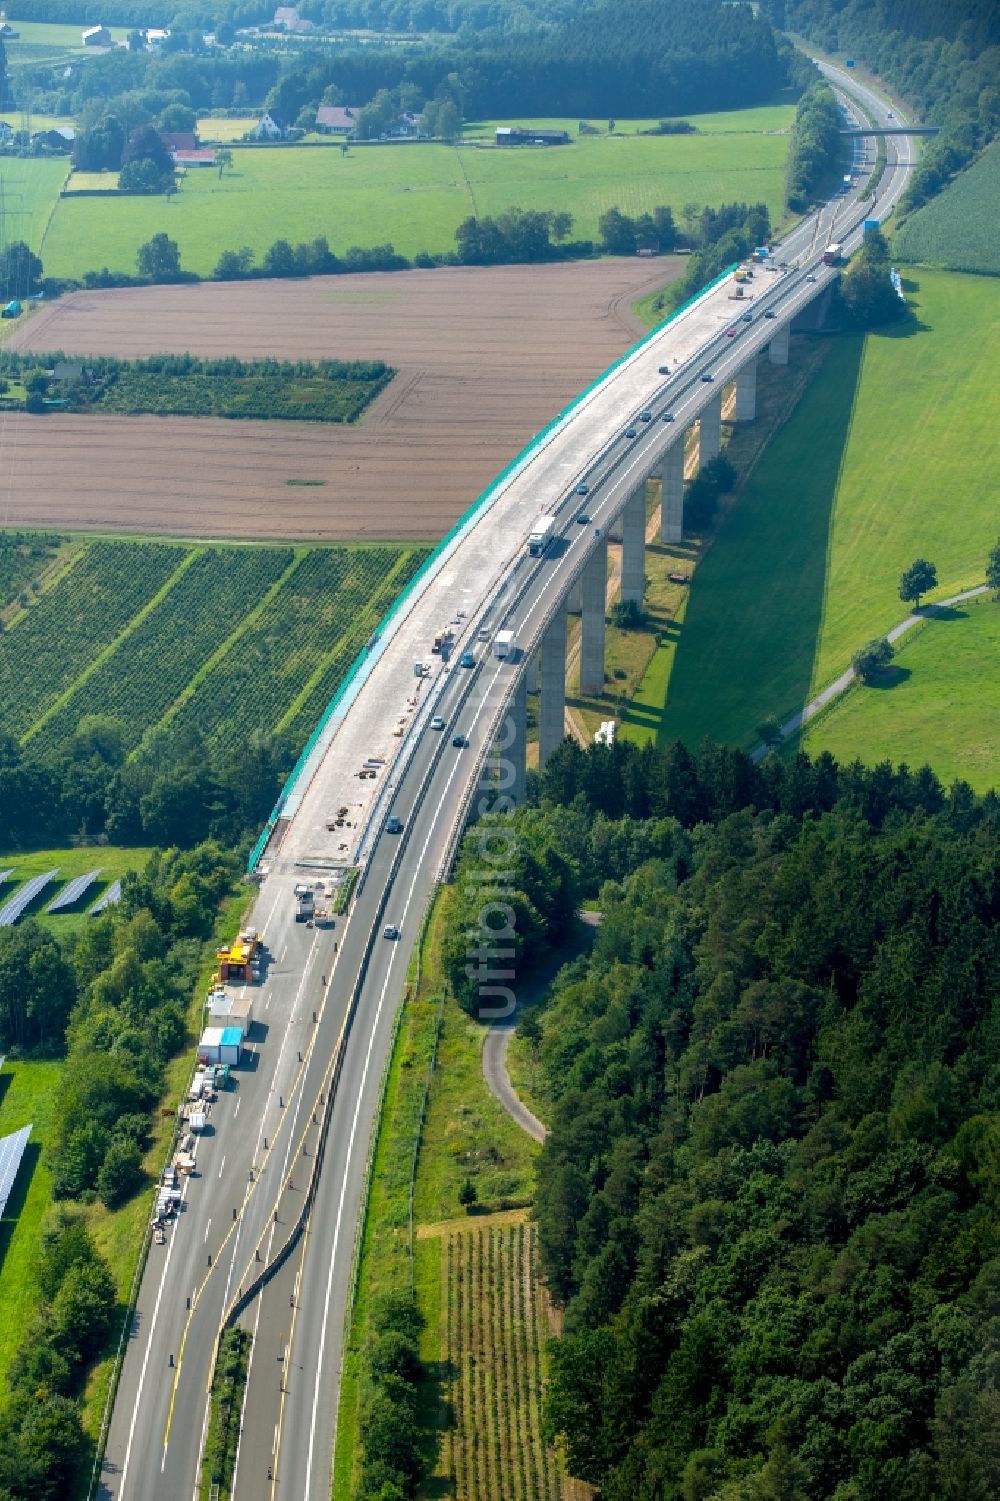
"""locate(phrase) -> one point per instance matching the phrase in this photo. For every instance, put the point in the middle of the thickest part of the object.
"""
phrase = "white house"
(97, 36)
(269, 128)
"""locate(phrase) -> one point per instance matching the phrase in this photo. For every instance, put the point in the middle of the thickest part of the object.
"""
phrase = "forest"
(649, 57)
(768, 1200)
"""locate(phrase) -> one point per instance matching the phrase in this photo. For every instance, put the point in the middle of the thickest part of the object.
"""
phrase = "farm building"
(201, 158)
(406, 128)
(60, 138)
(179, 140)
(519, 135)
(336, 119)
(155, 38)
(288, 17)
(97, 36)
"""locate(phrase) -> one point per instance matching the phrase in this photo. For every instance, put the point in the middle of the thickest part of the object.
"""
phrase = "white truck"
(541, 535)
(504, 644)
(305, 902)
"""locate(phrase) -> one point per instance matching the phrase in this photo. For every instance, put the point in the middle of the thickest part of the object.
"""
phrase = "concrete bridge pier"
(779, 346)
(672, 492)
(710, 431)
(552, 702)
(633, 585)
(593, 595)
(746, 392)
(517, 739)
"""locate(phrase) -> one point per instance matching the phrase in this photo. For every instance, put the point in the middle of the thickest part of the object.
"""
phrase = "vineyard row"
(496, 1331)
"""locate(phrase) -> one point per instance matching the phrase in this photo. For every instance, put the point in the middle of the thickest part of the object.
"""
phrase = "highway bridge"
(269, 1221)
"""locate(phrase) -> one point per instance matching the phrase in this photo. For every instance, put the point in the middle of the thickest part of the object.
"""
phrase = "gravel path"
(839, 685)
(498, 1037)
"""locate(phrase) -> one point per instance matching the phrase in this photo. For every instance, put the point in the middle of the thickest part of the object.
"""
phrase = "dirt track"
(485, 357)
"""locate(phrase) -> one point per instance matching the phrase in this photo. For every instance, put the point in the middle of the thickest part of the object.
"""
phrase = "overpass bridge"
(891, 130)
(271, 1216)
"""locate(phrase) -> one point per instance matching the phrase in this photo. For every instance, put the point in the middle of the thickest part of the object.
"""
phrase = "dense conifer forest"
(768, 1202)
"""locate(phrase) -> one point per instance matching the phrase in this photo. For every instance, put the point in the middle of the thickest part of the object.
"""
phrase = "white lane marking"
(281, 956)
(222, 1165)
(285, 1039)
(207, 1228)
(236, 1112)
(149, 1346)
(246, 1387)
(417, 872)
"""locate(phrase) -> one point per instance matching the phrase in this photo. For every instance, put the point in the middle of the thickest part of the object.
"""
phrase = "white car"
(390, 931)
(437, 723)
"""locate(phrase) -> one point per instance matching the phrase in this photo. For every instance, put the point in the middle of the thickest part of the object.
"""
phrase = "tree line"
(816, 148)
(112, 1003)
(767, 1200)
(181, 791)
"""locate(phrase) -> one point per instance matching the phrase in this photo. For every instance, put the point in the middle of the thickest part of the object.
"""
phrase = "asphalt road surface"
(254, 1162)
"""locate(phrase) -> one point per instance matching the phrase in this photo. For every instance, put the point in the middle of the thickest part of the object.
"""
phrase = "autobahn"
(325, 1008)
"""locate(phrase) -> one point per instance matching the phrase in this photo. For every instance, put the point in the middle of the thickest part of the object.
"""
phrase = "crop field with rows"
(225, 640)
(496, 1329)
(958, 229)
(139, 681)
(47, 649)
(325, 610)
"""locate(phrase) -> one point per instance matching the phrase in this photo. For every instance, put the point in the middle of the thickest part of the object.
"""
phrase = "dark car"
(583, 519)
(581, 489)
(668, 417)
(769, 314)
(467, 659)
(707, 375)
(459, 742)
(630, 432)
(645, 416)
(731, 332)
(664, 369)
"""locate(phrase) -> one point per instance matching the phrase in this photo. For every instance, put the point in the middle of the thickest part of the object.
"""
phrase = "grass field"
(415, 197)
(225, 639)
(53, 37)
(933, 706)
(31, 187)
(890, 455)
(27, 1094)
(958, 229)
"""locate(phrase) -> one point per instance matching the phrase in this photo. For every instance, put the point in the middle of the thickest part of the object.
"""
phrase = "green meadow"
(31, 187)
(937, 704)
(416, 196)
(891, 454)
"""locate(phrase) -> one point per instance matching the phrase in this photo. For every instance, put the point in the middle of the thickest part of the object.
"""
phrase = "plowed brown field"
(484, 358)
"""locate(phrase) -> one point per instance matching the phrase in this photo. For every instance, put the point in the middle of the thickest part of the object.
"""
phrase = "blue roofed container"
(230, 1045)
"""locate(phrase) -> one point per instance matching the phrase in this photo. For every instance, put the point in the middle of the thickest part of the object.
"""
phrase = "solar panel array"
(12, 910)
(73, 891)
(11, 1151)
(109, 898)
